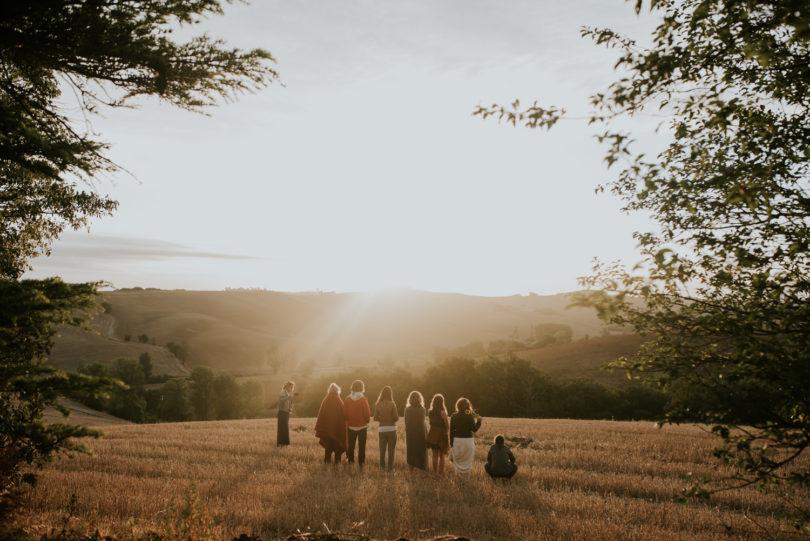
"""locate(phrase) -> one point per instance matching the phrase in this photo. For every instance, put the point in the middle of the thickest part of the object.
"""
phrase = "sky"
(365, 168)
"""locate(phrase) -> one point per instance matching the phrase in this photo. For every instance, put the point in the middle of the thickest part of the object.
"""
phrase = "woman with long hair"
(438, 438)
(284, 409)
(385, 411)
(330, 427)
(416, 431)
(463, 424)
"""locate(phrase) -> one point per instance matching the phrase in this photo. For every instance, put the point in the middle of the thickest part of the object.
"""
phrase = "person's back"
(500, 460)
(385, 411)
(357, 410)
(358, 415)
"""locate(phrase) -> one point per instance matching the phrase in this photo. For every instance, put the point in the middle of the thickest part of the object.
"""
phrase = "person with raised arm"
(284, 410)
(463, 424)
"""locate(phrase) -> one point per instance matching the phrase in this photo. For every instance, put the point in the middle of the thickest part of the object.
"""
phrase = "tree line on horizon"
(511, 387)
(144, 398)
(497, 388)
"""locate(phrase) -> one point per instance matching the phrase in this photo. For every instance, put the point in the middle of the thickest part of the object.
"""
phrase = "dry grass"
(584, 358)
(577, 480)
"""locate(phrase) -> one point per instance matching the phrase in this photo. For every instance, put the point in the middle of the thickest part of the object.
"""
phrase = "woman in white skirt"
(463, 424)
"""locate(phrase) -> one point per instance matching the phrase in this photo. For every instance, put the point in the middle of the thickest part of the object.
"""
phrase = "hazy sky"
(366, 169)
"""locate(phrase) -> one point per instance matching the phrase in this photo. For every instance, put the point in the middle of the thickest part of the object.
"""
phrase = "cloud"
(90, 248)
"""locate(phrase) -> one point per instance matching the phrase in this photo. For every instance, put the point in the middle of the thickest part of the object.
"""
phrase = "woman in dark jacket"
(463, 424)
(500, 460)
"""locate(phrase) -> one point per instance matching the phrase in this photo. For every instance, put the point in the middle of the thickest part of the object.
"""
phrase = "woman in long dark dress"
(416, 431)
(284, 409)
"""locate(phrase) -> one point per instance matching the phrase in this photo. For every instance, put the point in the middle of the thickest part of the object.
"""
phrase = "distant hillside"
(75, 347)
(583, 359)
(262, 332)
(82, 415)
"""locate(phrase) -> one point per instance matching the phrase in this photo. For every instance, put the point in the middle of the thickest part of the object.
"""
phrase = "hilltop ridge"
(256, 331)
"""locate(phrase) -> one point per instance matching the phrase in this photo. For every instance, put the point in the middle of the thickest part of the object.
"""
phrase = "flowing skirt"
(439, 438)
(283, 430)
(463, 453)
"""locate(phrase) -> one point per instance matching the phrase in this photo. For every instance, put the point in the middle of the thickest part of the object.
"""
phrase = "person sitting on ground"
(500, 460)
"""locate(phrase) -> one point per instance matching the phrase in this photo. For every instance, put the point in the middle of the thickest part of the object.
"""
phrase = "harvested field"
(577, 480)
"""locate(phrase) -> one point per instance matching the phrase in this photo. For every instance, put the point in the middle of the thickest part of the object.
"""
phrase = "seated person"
(500, 460)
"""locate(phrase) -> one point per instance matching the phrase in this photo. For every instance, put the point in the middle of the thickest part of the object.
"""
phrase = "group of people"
(342, 427)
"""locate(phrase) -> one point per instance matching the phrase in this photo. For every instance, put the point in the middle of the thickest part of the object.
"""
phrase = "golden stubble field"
(576, 480)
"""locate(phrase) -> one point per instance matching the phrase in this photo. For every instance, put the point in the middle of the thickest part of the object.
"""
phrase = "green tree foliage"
(180, 350)
(723, 291)
(251, 398)
(125, 400)
(202, 392)
(497, 388)
(204, 396)
(107, 53)
(172, 401)
(225, 397)
(547, 334)
(102, 53)
(29, 313)
(146, 364)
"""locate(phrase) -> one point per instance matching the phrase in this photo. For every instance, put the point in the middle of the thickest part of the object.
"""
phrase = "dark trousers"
(332, 447)
(357, 437)
(283, 432)
(388, 442)
(503, 475)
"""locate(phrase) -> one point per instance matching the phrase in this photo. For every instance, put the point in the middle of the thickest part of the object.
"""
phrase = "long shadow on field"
(413, 504)
(293, 490)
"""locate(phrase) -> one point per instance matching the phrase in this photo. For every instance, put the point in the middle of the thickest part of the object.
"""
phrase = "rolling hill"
(583, 359)
(248, 332)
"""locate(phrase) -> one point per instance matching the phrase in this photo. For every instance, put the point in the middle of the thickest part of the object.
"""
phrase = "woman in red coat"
(358, 414)
(330, 428)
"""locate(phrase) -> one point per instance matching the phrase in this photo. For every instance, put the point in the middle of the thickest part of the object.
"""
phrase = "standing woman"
(284, 409)
(416, 431)
(463, 423)
(358, 414)
(385, 411)
(330, 428)
(438, 438)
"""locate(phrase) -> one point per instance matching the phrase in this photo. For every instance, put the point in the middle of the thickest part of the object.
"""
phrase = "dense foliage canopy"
(60, 61)
(723, 292)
